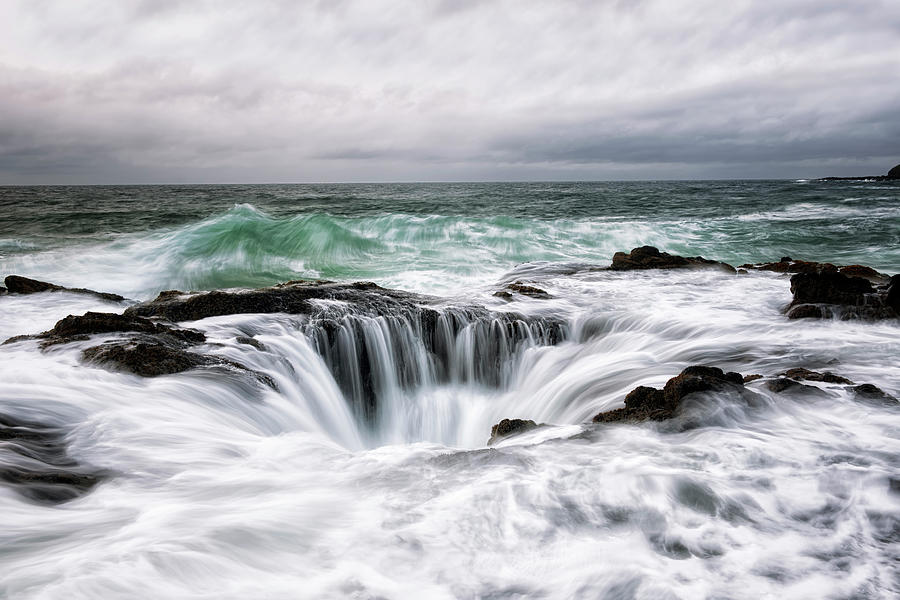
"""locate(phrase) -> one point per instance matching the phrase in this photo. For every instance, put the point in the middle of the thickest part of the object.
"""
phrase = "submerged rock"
(649, 257)
(867, 391)
(800, 374)
(520, 288)
(510, 427)
(789, 381)
(650, 404)
(16, 284)
(826, 294)
(34, 462)
(250, 341)
(785, 384)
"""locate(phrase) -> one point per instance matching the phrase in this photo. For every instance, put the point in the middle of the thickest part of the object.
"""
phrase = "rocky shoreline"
(892, 175)
(149, 340)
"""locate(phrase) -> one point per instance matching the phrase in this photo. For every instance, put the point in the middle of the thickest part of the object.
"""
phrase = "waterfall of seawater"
(419, 375)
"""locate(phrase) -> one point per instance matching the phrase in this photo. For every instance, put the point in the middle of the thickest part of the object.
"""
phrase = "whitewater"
(317, 484)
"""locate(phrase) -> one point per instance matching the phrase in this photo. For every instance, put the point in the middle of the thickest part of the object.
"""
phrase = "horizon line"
(426, 182)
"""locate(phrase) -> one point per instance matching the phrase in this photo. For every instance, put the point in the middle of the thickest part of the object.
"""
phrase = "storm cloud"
(346, 90)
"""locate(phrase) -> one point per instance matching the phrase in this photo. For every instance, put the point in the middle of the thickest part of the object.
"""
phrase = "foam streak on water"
(224, 487)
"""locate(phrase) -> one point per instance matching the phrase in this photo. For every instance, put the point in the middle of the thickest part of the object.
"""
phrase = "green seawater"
(440, 236)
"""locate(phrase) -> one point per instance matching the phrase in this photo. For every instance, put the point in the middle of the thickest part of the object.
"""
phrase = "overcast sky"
(282, 91)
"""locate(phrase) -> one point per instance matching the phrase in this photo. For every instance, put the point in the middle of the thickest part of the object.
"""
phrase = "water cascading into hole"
(376, 360)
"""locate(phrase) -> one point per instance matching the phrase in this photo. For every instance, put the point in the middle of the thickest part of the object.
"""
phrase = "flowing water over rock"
(363, 470)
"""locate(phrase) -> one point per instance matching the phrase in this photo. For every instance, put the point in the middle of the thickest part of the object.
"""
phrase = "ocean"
(366, 473)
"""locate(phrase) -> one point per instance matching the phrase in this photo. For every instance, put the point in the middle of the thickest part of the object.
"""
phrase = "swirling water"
(224, 488)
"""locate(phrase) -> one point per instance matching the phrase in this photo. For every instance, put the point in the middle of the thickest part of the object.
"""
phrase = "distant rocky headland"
(893, 174)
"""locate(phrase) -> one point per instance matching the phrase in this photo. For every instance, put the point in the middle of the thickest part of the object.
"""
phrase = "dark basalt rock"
(649, 257)
(867, 391)
(801, 374)
(829, 288)
(243, 339)
(34, 462)
(784, 384)
(828, 293)
(150, 349)
(864, 272)
(147, 358)
(649, 404)
(293, 297)
(17, 284)
(152, 356)
(3, 291)
(699, 379)
(80, 327)
(510, 427)
(892, 297)
(523, 289)
(894, 173)
(788, 265)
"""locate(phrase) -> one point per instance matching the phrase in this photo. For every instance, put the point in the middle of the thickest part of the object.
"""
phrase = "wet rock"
(788, 265)
(864, 272)
(243, 339)
(809, 311)
(754, 377)
(829, 288)
(155, 356)
(643, 397)
(649, 257)
(148, 358)
(785, 384)
(34, 462)
(17, 284)
(510, 427)
(649, 404)
(291, 297)
(699, 379)
(834, 293)
(801, 374)
(3, 291)
(525, 290)
(867, 391)
(892, 297)
(80, 327)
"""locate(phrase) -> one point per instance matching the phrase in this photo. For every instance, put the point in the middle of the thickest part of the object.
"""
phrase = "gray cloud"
(117, 91)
